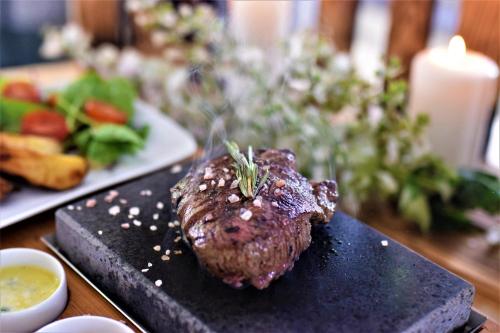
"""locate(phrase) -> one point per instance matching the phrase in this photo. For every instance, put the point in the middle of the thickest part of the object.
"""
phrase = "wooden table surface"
(83, 299)
(466, 255)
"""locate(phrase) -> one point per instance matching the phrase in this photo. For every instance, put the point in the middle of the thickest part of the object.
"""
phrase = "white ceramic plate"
(167, 143)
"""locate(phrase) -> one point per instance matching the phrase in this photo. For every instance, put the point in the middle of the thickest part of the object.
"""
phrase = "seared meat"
(251, 240)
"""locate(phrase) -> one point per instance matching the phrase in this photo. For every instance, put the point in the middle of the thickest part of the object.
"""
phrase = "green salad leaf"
(12, 111)
(103, 145)
(118, 92)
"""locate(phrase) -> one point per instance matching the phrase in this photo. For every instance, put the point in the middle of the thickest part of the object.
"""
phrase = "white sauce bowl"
(85, 324)
(28, 320)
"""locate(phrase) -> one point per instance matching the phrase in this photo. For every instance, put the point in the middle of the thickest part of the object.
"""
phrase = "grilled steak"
(251, 240)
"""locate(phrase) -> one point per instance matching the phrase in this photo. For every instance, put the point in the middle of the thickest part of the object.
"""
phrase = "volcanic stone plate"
(345, 282)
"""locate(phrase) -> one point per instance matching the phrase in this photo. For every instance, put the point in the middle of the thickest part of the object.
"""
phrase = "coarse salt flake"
(137, 223)
(157, 248)
(91, 203)
(123, 201)
(384, 242)
(233, 198)
(234, 184)
(156, 216)
(150, 264)
(160, 205)
(203, 187)
(176, 168)
(245, 214)
(226, 170)
(165, 258)
(134, 211)
(146, 193)
(177, 223)
(71, 207)
(212, 182)
(209, 174)
(144, 270)
(78, 207)
(221, 183)
(257, 203)
(171, 225)
(114, 210)
(99, 232)
(158, 283)
(177, 239)
(125, 225)
(167, 252)
(153, 228)
(274, 204)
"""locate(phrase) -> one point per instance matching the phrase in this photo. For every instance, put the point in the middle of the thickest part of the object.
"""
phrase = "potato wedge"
(30, 142)
(29, 159)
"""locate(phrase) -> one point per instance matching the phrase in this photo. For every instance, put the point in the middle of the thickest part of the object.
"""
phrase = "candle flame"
(457, 48)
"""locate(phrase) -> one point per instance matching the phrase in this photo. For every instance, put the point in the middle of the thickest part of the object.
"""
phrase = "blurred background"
(364, 35)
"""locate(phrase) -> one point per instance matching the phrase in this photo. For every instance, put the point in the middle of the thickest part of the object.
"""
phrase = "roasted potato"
(5, 188)
(39, 144)
(38, 161)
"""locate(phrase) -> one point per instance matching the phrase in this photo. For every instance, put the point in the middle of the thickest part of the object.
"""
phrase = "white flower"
(158, 38)
(168, 19)
(133, 5)
(129, 63)
(138, 5)
(52, 46)
(200, 54)
(106, 55)
(375, 114)
(392, 151)
(142, 19)
(301, 85)
(185, 10)
(73, 34)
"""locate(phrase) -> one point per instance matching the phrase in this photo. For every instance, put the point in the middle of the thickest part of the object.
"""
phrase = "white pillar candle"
(260, 23)
(458, 89)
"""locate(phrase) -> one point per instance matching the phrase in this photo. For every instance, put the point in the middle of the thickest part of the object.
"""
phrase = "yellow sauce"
(24, 286)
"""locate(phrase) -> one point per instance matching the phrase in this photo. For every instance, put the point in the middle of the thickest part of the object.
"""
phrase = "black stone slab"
(345, 282)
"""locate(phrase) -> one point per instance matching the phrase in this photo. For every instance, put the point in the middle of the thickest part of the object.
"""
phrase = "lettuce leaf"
(103, 145)
(12, 112)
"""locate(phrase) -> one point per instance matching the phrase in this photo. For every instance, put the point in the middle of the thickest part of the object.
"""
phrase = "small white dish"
(34, 317)
(85, 324)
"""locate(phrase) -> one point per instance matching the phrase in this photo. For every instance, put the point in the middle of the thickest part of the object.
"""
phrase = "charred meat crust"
(263, 247)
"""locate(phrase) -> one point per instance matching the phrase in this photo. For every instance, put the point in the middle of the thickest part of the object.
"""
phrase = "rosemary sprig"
(247, 171)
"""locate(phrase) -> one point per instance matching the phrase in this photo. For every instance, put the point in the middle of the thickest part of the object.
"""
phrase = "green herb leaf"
(246, 170)
(103, 145)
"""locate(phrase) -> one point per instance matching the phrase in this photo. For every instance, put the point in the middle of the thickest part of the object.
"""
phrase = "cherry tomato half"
(23, 91)
(104, 112)
(45, 123)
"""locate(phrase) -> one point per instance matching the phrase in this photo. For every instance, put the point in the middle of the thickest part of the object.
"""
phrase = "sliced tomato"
(23, 91)
(45, 123)
(104, 112)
